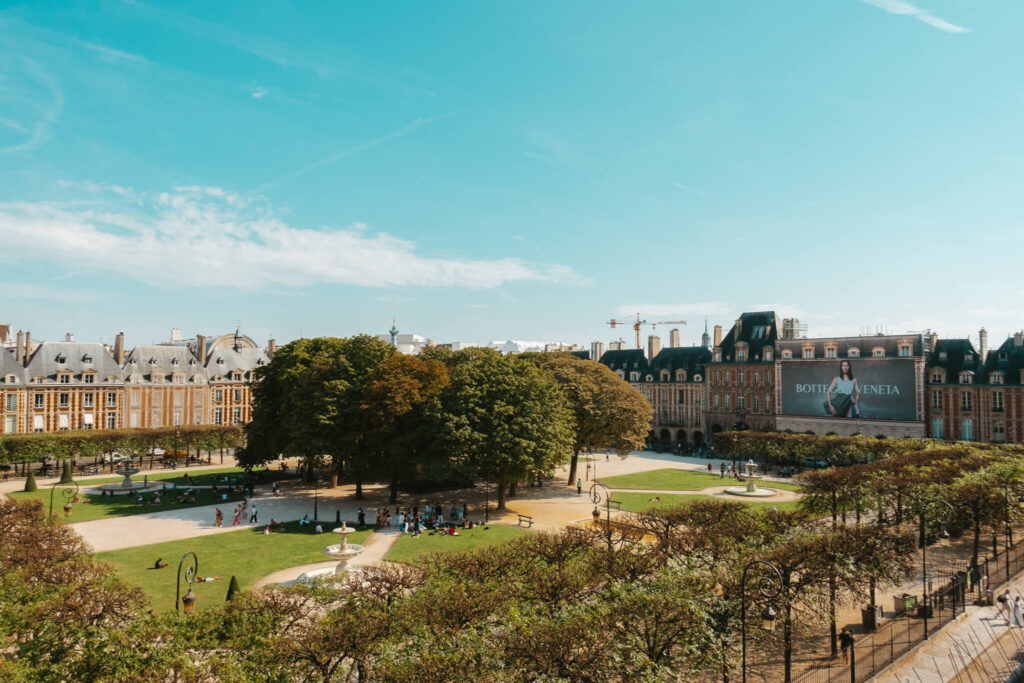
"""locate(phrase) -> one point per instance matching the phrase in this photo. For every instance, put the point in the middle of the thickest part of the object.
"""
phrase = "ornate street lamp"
(69, 493)
(189, 601)
(599, 492)
(942, 518)
(768, 588)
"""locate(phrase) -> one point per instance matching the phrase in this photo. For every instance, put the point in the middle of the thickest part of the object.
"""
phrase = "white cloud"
(905, 8)
(29, 100)
(259, 92)
(690, 189)
(112, 55)
(710, 308)
(207, 237)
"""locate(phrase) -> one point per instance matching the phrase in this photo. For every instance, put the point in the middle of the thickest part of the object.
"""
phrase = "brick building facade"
(74, 385)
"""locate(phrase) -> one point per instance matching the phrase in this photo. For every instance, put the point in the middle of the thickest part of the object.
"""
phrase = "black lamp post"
(943, 517)
(188, 602)
(69, 492)
(768, 588)
(316, 495)
(741, 415)
(599, 492)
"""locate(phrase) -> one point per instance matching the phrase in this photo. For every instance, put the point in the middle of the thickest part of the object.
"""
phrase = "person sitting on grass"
(155, 501)
(304, 521)
(160, 564)
(319, 529)
(207, 579)
(266, 530)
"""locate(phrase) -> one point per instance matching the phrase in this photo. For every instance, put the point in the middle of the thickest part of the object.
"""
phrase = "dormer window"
(943, 355)
(878, 352)
(634, 377)
(937, 377)
(89, 378)
(904, 350)
(768, 353)
(996, 378)
(968, 357)
(11, 379)
(192, 363)
(259, 361)
(152, 362)
(174, 362)
(665, 376)
(853, 352)
(650, 378)
(718, 357)
(64, 378)
(966, 377)
(741, 355)
(808, 350)
(87, 359)
(220, 361)
(787, 354)
(61, 358)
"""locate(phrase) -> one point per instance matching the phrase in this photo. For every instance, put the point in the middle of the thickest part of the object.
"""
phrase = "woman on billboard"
(843, 396)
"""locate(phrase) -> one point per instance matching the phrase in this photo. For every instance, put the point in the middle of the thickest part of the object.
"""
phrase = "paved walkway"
(374, 550)
(946, 655)
(553, 505)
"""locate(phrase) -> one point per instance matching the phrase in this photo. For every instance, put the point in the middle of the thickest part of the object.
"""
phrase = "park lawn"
(247, 553)
(204, 478)
(638, 502)
(102, 507)
(679, 480)
(409, 549)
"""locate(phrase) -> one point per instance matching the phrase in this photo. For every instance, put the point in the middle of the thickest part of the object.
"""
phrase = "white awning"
(63, 421)
(87, 418)
(37, 422)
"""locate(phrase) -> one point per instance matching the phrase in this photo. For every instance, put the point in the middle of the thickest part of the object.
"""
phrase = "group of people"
(1011, 610)
(241, 510)
(413, 522)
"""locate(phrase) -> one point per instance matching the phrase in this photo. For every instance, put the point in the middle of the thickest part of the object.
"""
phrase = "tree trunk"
(501, 496)
(787, 645)
(394, 489)
(977, 541)
(572, 467)
(359, 488)
(833, 635)
(872, 583)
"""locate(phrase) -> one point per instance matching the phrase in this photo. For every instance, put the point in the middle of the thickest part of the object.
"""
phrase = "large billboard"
(855, 388)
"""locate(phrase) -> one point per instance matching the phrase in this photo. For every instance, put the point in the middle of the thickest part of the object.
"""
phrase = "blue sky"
(509, 170)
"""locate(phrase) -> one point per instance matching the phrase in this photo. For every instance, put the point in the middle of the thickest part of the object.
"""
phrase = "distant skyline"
(528, 170)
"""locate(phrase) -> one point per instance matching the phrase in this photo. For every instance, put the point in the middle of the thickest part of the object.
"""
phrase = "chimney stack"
(933, 341)
(616, 345)
(718, 335)
(119, 349)
(653, 346)
(69, 337)
(738, 327)
(201, 349)
(983, 344)
(1018, 338)
(271, 347)
(596, 350)
(673, 338)
(19, 350)
(28, 348)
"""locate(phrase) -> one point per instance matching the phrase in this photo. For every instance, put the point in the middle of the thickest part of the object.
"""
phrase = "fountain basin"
(126, 484)
(751, 490)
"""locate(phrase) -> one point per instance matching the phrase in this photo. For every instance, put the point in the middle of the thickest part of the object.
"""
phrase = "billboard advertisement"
(854, 388)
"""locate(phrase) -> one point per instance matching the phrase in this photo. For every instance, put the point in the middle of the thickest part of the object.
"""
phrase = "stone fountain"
(126, 485)
(751, 490)
(344, 551)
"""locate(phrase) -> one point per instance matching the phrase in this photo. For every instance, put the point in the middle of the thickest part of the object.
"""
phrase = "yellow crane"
(638, 323)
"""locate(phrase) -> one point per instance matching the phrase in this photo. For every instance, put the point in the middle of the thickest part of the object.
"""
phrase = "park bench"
(525, 519)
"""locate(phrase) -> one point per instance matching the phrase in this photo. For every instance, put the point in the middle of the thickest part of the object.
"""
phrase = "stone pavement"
(374, 550)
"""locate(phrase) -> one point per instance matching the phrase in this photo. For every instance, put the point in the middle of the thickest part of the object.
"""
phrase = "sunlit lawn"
(102, 507)
(638, 502)
(679, 480)
(247, 553)
(408, 549)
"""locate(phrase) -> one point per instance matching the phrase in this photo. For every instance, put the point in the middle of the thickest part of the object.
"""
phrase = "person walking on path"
(845, 642)
(361, 518)
(238, 511)
(722, 469)
(579, 487)
(709, 467)
(218, 517)
(254, 517)
(1003, 601)
(1018, 611)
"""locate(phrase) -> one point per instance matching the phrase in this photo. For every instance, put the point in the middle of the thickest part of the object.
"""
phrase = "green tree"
(502, 419)
(608, 412)
(65, 474)
(30, 482)
(233, 589)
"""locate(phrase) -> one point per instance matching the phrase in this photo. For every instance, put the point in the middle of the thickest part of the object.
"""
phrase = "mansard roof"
(864, 344)
(74, 357)
(585, 355)
(692, 359)
(757, 329)
(954, 356)
(9, 366)
(1008, 358)
(627, 360)
(222, 361)
(163, 361)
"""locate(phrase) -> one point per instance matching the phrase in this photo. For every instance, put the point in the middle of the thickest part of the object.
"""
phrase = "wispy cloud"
(217, 238)
(711, 308)
(405, 130)
(23, 290)
(113, 55)
(907, 9)
(690, 189)
(42, 102)
(259, 92)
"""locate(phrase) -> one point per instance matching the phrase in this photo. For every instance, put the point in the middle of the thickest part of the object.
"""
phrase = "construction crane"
(638, 323)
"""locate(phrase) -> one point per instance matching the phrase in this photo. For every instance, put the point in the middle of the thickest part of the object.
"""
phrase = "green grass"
(409, 549)
(202, 478)
(638, 502)
(103, 507)
(679, 480)
(246, 553)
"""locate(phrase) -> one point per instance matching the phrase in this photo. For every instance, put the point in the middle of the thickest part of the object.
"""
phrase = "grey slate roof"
(1008, 358)
(9, 366)
(224, 361)
(75, 357)
(692, 359)
(627, 360)
(955, 356)
(164, 361)
(864, 344)
(758, 329)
